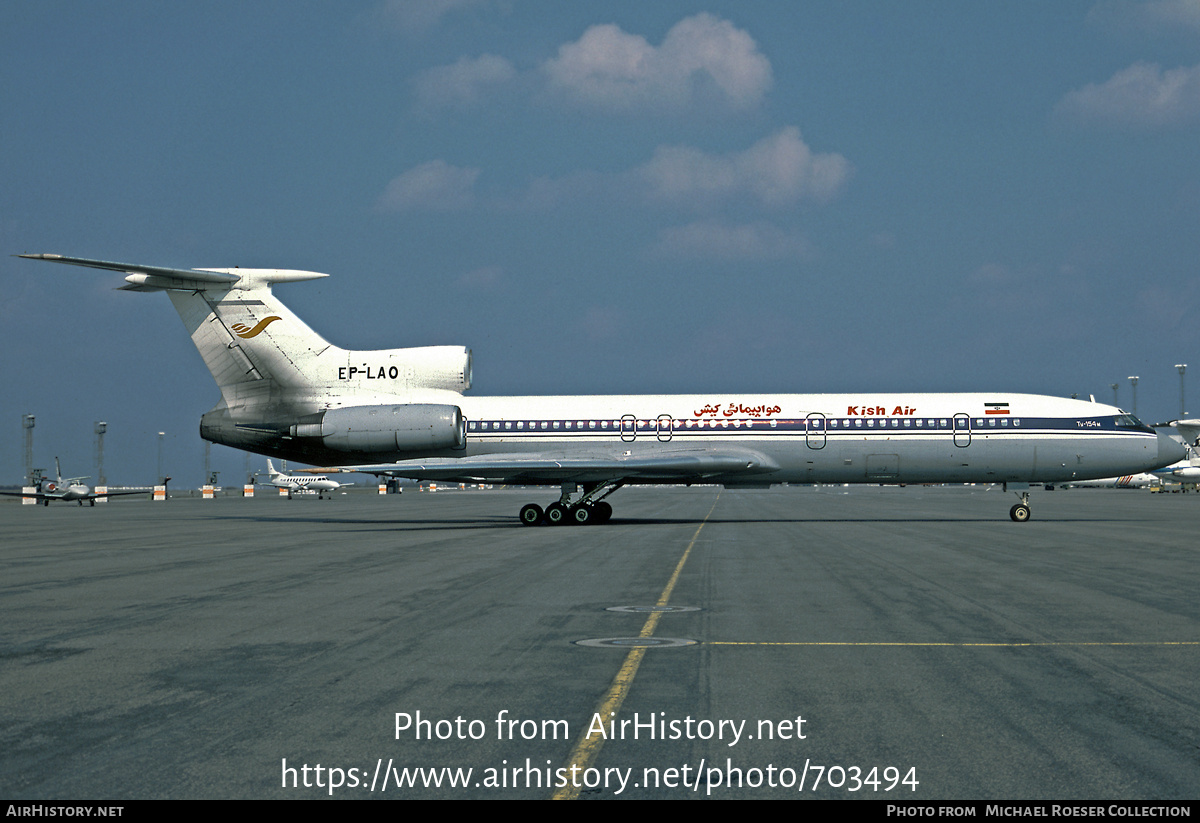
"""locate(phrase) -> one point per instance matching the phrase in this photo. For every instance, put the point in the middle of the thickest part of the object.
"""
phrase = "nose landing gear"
(1021, 512)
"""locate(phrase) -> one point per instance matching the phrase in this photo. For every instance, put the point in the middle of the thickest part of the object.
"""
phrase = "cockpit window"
(1129, 421)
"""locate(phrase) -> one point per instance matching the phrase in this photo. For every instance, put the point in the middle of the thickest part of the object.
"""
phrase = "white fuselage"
(316, 483)
(830, 438)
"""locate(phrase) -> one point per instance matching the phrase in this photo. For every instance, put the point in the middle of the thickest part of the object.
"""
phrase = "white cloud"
(1153, 17)
(602, 323)
(432, 186)
(778, 170)
(714, 240)
(1141, 95)
(612, 69)
(418, 16)
(462, 82)
(487, 278)
(994, 275)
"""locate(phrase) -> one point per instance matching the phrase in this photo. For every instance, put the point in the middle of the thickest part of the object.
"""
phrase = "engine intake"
(407, 427)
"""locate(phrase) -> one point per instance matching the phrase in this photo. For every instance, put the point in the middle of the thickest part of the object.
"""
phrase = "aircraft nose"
(1170, 450)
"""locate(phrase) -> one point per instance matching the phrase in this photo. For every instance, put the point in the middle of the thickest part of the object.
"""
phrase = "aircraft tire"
(557, 514)
(1019, 513)
(582, 515)
(602, 512)
(531, 514)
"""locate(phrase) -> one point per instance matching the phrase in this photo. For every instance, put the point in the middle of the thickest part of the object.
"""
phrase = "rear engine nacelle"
(406, 427)
(425, 367)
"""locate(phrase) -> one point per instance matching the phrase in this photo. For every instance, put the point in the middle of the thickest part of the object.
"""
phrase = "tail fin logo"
(245, 332)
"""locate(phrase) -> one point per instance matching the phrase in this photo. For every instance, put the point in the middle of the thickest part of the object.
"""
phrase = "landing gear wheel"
(531, 514)
(1019, 513)
(602, 511)
(582, 515)
(556, 514)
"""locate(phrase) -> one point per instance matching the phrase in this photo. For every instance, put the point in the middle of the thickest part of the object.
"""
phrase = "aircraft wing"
(63, 497)
(1189, 429)
(536, 468)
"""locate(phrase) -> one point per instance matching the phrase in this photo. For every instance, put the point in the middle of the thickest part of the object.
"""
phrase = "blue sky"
(618, 197)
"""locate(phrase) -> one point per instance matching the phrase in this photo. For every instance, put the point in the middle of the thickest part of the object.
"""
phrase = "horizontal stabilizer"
(157, 278)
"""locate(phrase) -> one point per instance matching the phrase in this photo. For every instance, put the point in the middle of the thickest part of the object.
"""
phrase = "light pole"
(1114, 388)
(27, 423)
(100, 428)
(1182, 405)
(1133, 382)
(160, 458)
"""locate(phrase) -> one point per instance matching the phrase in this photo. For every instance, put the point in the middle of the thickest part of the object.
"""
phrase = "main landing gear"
(1020, 512)
(589, 508)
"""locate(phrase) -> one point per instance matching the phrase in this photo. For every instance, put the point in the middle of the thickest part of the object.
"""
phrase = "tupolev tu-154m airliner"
(287, 393)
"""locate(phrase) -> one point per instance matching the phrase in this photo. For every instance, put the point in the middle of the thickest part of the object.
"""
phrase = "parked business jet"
(287, 393)
(302, 482)
(73, 489)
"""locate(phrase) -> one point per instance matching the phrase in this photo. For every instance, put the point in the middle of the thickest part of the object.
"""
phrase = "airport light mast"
(1182, 405)
(1133, 378)
(27, 423)
(100, 428)
(160, 457)
(1114, 388)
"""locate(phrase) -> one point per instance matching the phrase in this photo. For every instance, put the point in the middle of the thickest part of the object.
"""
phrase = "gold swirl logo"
(245, 332)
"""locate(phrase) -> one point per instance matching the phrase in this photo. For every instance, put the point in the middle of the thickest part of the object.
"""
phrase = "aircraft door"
(814, 431)
(628, 427)
(962, 430)
(666, 426)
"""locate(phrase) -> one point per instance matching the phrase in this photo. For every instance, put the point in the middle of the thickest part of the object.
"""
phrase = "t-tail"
(278, 377)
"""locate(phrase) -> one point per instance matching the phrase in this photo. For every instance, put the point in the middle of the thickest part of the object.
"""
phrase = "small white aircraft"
(288, 393)
(1128, 481)
(302, 482)
(71, 489)
(1188, 469)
